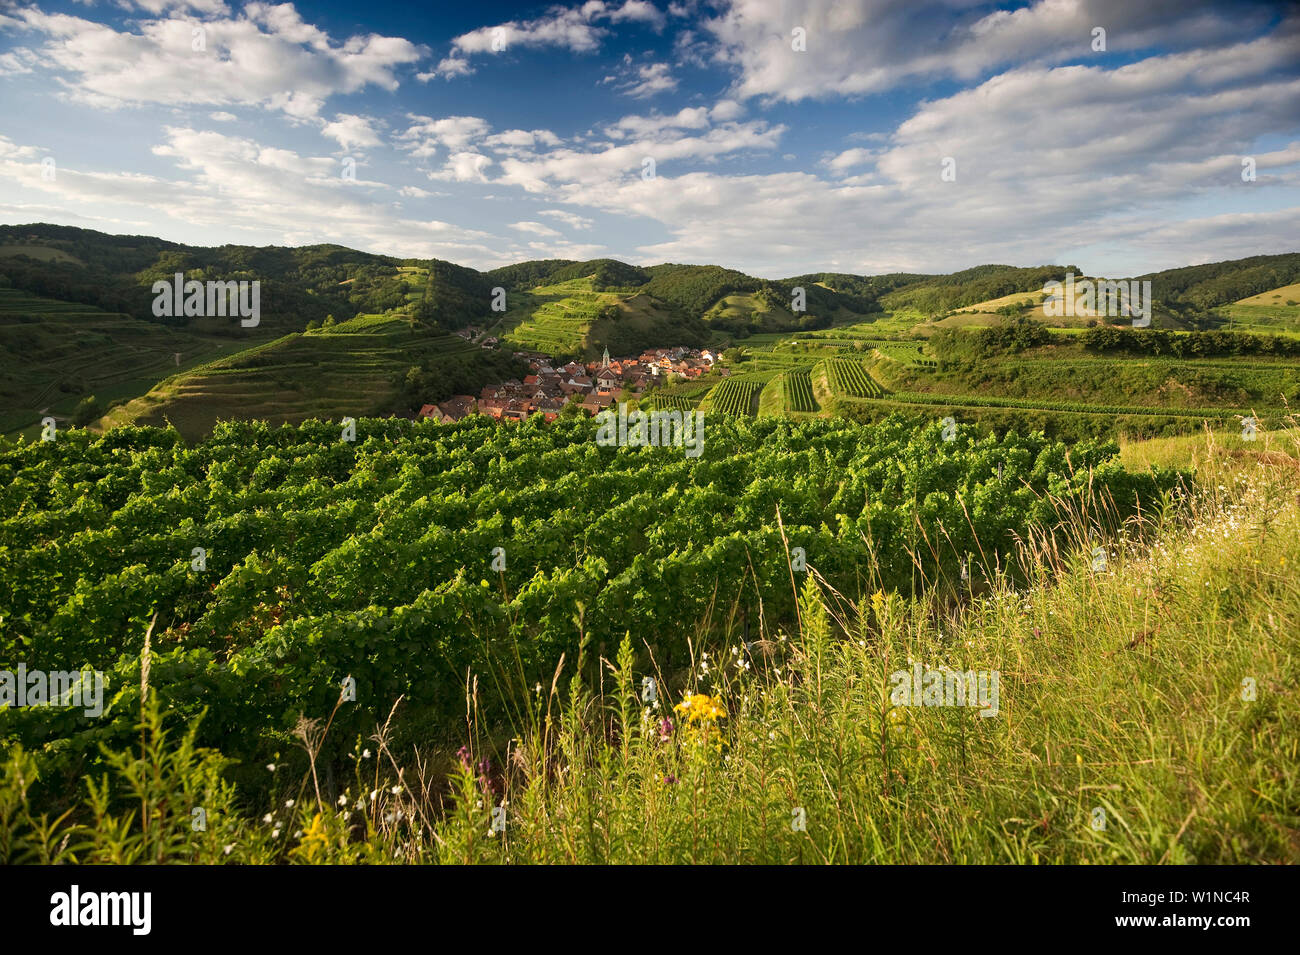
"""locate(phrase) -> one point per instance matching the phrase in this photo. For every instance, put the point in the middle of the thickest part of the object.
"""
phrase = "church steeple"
(604, 359)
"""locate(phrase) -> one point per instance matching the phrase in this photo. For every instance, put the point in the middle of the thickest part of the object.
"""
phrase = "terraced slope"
(554, 319)
(353, 369)
(849, 378)
(576, 318)
(736, 396)
(798, 391)
(53, 354)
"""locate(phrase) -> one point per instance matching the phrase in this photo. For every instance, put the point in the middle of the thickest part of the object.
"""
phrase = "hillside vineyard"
(280, 562)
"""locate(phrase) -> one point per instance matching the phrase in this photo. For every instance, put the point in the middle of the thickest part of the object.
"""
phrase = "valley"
(350, 333)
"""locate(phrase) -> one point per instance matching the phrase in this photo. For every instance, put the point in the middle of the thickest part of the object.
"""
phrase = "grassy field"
(1276, 311)
(41, 253)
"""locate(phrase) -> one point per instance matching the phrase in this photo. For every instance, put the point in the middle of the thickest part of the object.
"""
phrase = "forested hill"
(306, 283)
(310, 283)
(116, 273)
(1219, 283)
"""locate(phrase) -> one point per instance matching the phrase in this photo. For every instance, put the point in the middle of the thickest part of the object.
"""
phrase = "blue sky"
(498, 132)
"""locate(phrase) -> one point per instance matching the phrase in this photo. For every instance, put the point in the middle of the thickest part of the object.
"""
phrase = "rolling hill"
(350, 332)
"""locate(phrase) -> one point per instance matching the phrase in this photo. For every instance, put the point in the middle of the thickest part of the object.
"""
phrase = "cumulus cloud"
(1049, 159)
(351, 131)
(849, 158)
(425, 135)
(1128, 162)
(17, 61)
(645, 127)
(857, 47)
(464, 167)
(267, 56)
(523, 138)
(571, 170)
(576, 29)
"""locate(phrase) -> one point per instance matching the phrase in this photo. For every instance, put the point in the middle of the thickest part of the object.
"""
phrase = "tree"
(87, 410)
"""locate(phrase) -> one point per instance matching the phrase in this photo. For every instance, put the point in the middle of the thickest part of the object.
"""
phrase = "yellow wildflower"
(315, 842)
(700, 707)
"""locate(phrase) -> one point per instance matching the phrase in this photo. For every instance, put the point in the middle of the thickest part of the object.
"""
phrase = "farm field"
(331, 562)
(554, 319)
(573, 319)
(797, 391)
(737, 395)
(1068, 387)
(865, 480)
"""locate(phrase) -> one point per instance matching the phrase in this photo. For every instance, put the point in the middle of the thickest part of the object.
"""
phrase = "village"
(594, 386)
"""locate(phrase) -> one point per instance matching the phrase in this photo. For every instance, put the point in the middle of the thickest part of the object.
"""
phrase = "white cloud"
(210, 8)
(449, 68)
(643, 81)
(351, 131)
(464, 167)
(849, 158)
(1049, 160)
(571, 170)
(425, 135)
(560, 249)
(856, 47)
(655, 125)
(17, 61)
(523, 138)
(571, 219)
(1133, 165)
(415, 192)
(247, 190)
(573, 28)
(726, 110)
(638, 11)
(536, 228)
(255, 59)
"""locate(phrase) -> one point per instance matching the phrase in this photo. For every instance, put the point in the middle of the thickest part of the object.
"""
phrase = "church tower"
(604, 359)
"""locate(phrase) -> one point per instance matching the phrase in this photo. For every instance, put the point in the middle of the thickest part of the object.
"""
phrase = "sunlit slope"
(352, 369)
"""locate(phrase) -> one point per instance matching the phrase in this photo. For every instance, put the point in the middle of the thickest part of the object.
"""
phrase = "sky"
(778, 137)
